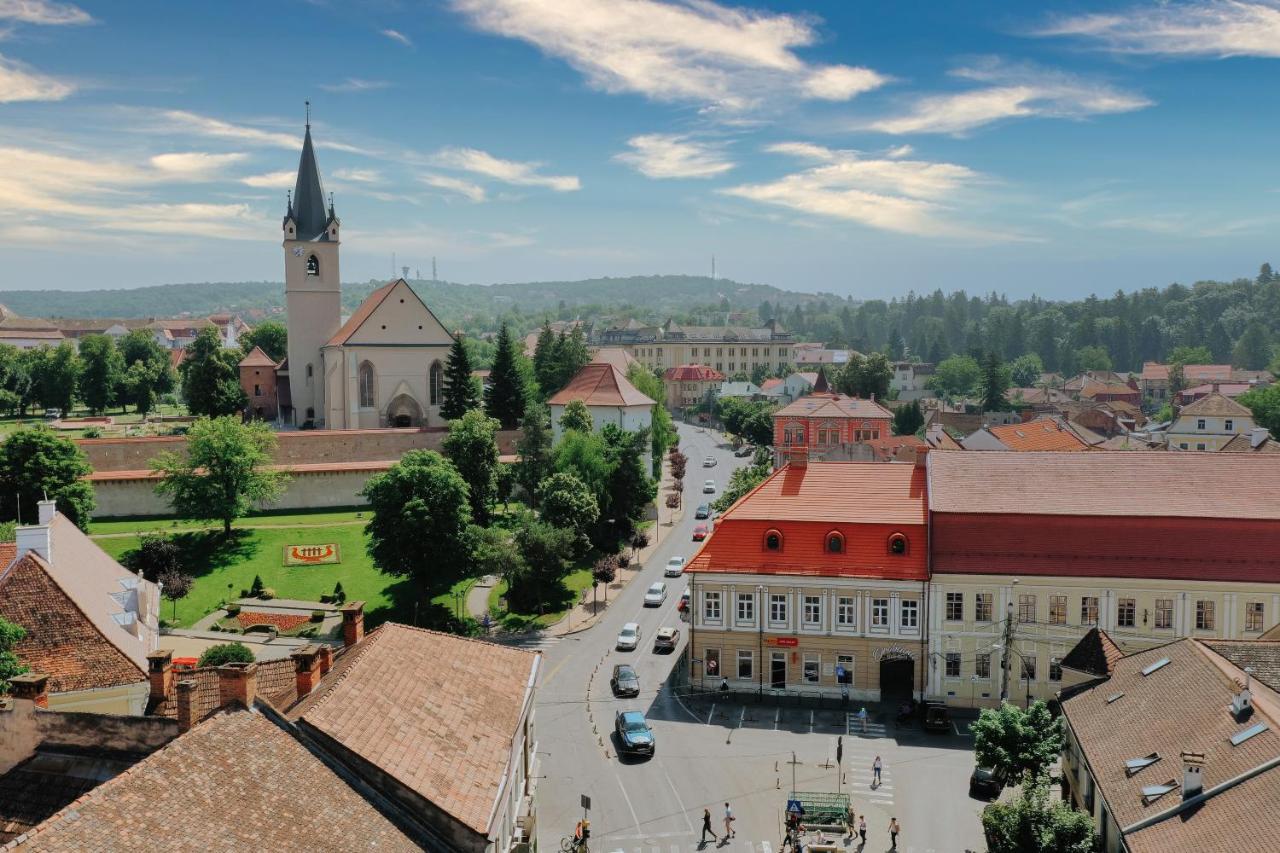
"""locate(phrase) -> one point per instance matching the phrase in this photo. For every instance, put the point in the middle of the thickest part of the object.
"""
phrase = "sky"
(851, 147)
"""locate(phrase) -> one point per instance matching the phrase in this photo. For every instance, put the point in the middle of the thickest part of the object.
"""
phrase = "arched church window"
(436, 382)
(366, 385)
(313, 265)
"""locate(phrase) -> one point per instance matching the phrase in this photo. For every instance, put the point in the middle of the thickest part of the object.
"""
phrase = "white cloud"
(42, 12)
(507, 171)
(271, 180)
(1012, 91)
(206, 126)
(396, 35)
(360, 176)
(20, 82)
(661, 155)
(1214, 28)
(355, 84)
(695, 51)
(194, 165)
(899, 151)
(473, 192)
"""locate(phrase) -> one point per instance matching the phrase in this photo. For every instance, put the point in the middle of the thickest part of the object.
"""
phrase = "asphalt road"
(709, 754)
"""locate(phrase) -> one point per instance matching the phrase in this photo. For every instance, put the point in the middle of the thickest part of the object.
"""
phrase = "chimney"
(45, 509)
(31, 687)
(352, 623)
(306, 669)
(1258, 435)
(186, 705)
(1242, 702)
(160, 674)
(237, 682)
(798, 456)
(326, 659)
(922, 457)
(1215, 387)
(1192, 774)
(36, 537)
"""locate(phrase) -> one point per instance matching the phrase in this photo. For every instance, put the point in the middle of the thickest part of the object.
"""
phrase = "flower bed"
(283, 622)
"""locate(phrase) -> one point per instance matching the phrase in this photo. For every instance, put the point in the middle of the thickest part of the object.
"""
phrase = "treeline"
(101, 374)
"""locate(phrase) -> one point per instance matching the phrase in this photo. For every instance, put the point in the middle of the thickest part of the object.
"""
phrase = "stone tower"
(312, 288)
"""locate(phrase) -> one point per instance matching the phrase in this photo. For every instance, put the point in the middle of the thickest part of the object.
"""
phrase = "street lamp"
(760, 625)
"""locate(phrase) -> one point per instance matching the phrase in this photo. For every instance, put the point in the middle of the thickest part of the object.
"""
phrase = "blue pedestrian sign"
(839, 673)
(794, 807)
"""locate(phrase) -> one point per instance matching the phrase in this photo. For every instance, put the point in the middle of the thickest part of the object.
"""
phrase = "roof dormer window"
(897, 544)
(773, 541)
(835, 543)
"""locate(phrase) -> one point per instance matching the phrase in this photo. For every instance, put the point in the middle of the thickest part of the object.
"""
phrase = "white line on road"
(776, 715)
(765, 848)
(628, 799)
(683, 811)
(810, 722)
(743, 716)
(711, 713)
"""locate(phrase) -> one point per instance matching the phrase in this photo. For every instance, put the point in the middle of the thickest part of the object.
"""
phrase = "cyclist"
(581, 833)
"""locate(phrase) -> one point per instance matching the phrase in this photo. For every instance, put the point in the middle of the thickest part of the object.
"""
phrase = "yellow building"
(727, 349)
(1209, 423)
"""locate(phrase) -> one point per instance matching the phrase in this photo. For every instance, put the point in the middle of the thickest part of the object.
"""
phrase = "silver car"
(675, 567)
(629, 636)
(709, 487)
(655, 594)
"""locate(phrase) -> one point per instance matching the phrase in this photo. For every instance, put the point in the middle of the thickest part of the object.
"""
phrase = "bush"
(226, 653)
(267, 593)
(255, 589)
(233, 609)
(326, 598)
(317, 615)
(339, 594)
(624, 560)
(93, 432)
(244, 593)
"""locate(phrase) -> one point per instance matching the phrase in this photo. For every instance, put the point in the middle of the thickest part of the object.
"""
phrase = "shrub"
(339, 594)
(317, 615)
(267, 593)
(244, 593)
(226, 653)
(624, 560)
(255, 589)
(326, 598)
(233, 609)
(93, 432)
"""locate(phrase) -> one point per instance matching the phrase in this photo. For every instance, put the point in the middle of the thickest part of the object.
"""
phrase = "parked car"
(934, 717)
(703, 511)
(684, 602)
(625, 682)
(708, 487)
(744, 450)
(675, 567)
(629, 636)
(52, 414)
(655, 595)
(709, 462)
(699, 533)
(666, 639)
(985, 782)
(634, 735)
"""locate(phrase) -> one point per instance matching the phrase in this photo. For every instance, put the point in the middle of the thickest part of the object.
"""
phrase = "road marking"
(711, 713)
(630, 807)
(810, 722)
(743, 716)
(776, 715)
(556, 669)
(683, 811)
(966, 733)
(765, 848)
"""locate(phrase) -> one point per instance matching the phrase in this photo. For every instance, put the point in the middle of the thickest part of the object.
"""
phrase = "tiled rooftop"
(1046, 434)
(1215, 404)
(832, 406)
(848, 492)
(600, 385)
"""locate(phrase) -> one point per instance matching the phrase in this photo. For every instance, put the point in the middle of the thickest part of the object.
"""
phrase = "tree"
(1253, 349)
(545, 362)
(995, 382)
(865, 376)
(175, 585)
(1265, 405)
(1190, 355)
(908, 419)
(662, 433)
(956, 376)
(630, 487)
(226, 653)
(1093, 358)
(147, 371)
(504, 399)
(1032, 823)
(211, 377)
(743, 480)
(224, 471)
(1219, 343)
(604, 572)
(35, 463)
(1025, 370)
(1020, 744)
(897, 347)
(10, 636)
(545, 551)
(460, 395)
(583, 455)
(102, 369)
(155, 556)
(271, 336)
(472, 448)
(576, 417)
(57, 374)
(568, 503)
(534, 450)
(571, 356)
(420, 520)
(495, 553)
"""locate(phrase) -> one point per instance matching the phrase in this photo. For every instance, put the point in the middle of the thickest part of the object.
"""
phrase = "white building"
(610, 399)
(1209, 423)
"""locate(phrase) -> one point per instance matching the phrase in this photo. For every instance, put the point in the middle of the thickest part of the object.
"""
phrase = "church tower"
(312, 288)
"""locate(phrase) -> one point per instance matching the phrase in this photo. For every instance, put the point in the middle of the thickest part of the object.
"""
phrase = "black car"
(934, 717)
(703, 511)
(634, 735)
(985, 782)
(745, 450)
(625, 682)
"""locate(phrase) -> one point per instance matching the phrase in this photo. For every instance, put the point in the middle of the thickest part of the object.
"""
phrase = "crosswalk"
(530, 643)
(853, 727)
(736, 845)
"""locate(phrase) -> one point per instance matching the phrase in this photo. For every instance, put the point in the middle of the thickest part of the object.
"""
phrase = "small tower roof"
(308, 206)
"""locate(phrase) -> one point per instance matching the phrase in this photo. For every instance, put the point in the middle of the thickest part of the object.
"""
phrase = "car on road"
(708, 487)
(703, 511)
(684, 602)
(634, 735)
(625, 682)
(986, 783)
(744, 450)
(699, 533)
(675, 567)
(629, 636)
(666, 639)
(709, 462)
(935, 717)
(655, 595)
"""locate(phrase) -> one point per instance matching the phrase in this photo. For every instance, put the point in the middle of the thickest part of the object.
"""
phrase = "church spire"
(308, 194)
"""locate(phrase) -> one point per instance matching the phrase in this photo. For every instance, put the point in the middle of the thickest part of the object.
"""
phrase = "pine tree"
(544, 360)
(995, 381)
(460, 394)
(504, 399)
(1253, 350)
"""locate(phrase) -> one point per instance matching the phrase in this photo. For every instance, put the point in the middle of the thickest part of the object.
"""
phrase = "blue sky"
(853, 147)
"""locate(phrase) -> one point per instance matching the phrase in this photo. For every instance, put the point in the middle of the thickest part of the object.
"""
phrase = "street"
(708, 753)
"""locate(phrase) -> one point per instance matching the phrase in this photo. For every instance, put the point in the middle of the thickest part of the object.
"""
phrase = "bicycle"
(569, 844)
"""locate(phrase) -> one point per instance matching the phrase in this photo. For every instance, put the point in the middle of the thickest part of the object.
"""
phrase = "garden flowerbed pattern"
(282, 621)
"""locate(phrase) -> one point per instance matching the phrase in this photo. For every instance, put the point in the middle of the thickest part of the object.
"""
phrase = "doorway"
(778, 671)
(897, 678)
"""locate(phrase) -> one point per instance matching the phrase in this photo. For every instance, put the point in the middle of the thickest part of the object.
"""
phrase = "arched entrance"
(897, 675)
(404, 411)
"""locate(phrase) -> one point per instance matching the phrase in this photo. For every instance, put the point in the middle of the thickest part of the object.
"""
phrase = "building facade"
(822, 421)
(690, 385)
(727, 349)
(1209, 423)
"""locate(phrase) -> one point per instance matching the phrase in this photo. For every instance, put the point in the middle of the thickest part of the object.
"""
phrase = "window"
(812, 668)
(1200, 423)
(982, 607)
(308, 372)
(1229, 425)
(1164, 612)
(257, 390)
(835, 543)
(1055, 669)
(711, 606)
(777, 608)
(1126, 613)
(746, 607)
(982, 666)
(1253, 616)
(812, 611)
(1200, 445)
(1026, 608)
(1089, 610)
(953, 665)
(897, 544)
(746, 663)
(773, 540)
(1057, 610)
(437, 380)
(712, 658)
(313, 265)
(955, 606)
(880, 613)
(846, 613)
(910, 614)
(1028, 668)
(844, 669)
(366, 385)
(1204, 615)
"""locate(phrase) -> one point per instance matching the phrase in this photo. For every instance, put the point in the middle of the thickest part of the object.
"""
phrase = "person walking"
(894, 829)
(862, 829)
(706, 827)
(862, 715)
(728, 821)
(875, 772)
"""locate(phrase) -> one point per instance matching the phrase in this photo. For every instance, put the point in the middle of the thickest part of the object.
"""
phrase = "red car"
(699, 533)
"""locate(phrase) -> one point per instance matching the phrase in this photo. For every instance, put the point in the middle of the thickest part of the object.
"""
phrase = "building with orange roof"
(610, 398)
(816, 581)
(824, 420)
(1210, 423)
(690, 384)
(1043, 434)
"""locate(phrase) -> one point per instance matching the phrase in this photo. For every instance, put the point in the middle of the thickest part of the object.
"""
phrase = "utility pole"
(433, 268)
(1008, 648)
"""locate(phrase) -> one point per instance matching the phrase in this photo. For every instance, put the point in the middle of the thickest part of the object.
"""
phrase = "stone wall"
(23, 728)
(306, 490)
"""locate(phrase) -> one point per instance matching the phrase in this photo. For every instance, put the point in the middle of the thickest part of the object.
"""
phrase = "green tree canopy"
(271, 336)
(56, 376)
(1093, 358)
(576, 417)
(1032, 823)
(957, 376)
(546, 551)
(226, 653)
(662, 432)
(1021, 744)
(1253, 350)
(1025, 370)
(505, 397)
(630, 488)
(473, 449)
(147, 371)
(534, 450)
(908, 419)
(864, 376)
(583, 455)
(36, 462)
(211, 377)
(460, 392)
(995, 382)
(1190, 355)
(224, 472)
(1265, 405)
(102, 369)
(10, 636)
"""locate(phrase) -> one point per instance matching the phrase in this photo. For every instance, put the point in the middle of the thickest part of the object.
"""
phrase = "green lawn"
(14, 423)
(576, 581)
(280, 518)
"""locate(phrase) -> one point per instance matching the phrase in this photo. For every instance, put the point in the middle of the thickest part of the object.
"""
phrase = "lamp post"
(760, 627)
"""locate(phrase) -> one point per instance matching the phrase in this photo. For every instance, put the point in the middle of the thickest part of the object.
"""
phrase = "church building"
(384, 366)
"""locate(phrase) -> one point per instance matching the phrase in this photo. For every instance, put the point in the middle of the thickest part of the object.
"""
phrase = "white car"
(655, 594)
(629, 636)
(709, 487)
(709, 462)
(675, 567)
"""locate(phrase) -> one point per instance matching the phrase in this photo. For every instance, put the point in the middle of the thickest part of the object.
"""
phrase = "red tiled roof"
(1227, 389)
(1037, 435)
(853, 492)
(257, 358)
(832, 406)
(1152, 370)
(600, 385)
(356, 320)
(770, 383)
(617, 356)
(693, 373)
(1095, 654)
(1215, 404)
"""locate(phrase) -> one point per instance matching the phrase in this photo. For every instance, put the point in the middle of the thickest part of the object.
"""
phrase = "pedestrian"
(875, 772)
(894, 829)
(728, 821)
(862, 828)
(862, 715)
(706, 827)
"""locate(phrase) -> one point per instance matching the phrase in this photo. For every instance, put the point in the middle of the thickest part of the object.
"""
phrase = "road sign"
(839, 673)
(794, 807)
(586, 803)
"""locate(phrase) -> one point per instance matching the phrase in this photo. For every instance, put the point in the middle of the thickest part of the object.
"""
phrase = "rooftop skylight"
(1163, 662)
(1133, 765)
(1240, 737)
(1113, 697)
(1151, 793)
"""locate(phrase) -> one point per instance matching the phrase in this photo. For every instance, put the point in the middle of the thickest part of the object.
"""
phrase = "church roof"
(356, 320)
(308, 195)
(600, 385)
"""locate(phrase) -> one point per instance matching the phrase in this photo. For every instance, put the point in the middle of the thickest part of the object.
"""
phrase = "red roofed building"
(816, 581)
(689, 384)
(1044, 434)
(821, 421)
(608, 396)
